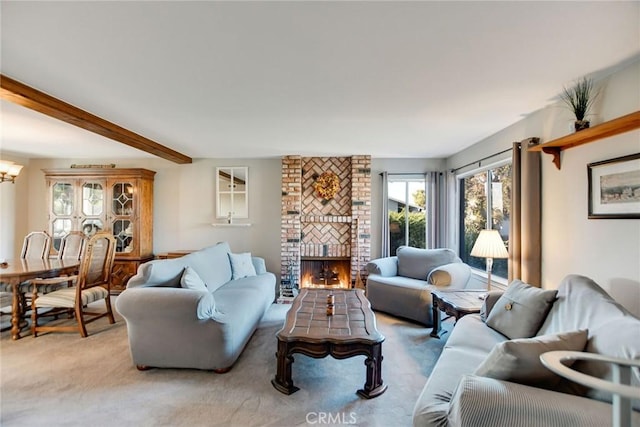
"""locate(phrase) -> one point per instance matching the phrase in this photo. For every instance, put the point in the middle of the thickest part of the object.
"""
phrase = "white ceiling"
(266, 79)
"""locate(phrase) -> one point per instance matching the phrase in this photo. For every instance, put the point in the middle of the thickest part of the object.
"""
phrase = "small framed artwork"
(614, 188)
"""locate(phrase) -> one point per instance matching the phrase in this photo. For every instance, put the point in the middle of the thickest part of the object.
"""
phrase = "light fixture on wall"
(9, 171)
(489, 245)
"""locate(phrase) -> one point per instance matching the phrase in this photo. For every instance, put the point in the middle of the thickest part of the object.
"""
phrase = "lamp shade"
(5, 165)
(9, 168)
(14, 170)
(489, 245)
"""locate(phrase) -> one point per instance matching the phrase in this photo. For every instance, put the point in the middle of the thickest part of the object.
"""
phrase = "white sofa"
(456, 395)
(171, 326)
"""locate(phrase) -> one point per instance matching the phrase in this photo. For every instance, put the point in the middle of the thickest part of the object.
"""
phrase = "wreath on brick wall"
(327, 185)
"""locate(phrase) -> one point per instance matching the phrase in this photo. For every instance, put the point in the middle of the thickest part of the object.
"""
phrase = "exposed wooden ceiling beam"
(21, 94)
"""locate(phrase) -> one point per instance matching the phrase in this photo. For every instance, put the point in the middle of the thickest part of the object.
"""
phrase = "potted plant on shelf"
(579, 98)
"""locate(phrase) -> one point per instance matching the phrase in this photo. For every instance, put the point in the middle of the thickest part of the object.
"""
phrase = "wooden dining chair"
(92, 284)
(6, 301)
(36, 245)
(71, 247)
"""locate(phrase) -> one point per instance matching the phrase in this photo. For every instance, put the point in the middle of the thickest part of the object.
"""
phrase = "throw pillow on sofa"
(490, 299)
(417, 263)
(439, 277)
(241, 265)
(519, 360)
(191, 280)
(444, 275)
(206, 304)
(521, 310)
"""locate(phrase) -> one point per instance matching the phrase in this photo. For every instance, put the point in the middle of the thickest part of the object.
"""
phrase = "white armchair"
(401, 285)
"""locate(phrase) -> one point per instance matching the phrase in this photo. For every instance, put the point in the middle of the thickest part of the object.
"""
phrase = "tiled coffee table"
(350, 331)
(456, 303)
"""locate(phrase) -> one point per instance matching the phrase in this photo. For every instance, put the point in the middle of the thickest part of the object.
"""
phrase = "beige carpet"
(63, 380)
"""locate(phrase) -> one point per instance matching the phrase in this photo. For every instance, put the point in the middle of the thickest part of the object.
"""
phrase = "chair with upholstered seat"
(6, 301)
(6, 298)
(35, 245)
(92, 284)
(401, 285)
(71, 247)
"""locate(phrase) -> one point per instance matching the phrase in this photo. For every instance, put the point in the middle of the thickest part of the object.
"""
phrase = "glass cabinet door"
(62, 211)
(63, 199)
(60, 227)
(122, 202)
(122, 209)
(92, 208)
(76, 205)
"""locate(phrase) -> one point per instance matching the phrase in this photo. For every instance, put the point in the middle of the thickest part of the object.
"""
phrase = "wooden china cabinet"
(104, 199)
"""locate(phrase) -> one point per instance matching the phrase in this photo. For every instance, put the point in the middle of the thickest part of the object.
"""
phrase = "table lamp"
(489, 245)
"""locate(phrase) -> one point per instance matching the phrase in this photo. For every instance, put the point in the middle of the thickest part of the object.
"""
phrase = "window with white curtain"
(485, 202)
(406, 211)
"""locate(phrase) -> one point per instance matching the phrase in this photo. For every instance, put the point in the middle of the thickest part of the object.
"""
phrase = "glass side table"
(621, 388)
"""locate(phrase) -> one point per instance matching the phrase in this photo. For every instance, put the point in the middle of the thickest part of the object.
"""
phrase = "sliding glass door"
(485, 202)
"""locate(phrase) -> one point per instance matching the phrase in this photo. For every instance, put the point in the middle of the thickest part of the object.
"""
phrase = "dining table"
(13, 272)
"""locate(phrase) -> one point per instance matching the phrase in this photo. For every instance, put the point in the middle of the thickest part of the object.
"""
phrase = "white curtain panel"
(384, 252)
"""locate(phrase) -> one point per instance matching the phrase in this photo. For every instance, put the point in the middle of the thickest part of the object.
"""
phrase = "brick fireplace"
(325, 242)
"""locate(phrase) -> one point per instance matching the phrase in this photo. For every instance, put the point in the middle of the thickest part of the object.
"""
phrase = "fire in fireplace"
(325, 272)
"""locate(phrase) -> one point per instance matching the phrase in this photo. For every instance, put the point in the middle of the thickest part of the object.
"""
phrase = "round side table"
(621, 389)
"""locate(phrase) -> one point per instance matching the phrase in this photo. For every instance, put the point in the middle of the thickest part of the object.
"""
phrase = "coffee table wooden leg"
(435, 332)
(283, 381)
(374, 386)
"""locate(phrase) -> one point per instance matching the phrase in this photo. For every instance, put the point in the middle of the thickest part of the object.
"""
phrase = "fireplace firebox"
(325, 272)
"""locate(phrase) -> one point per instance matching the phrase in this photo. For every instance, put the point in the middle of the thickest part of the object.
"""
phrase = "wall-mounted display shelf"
(604, 130)
(224, 224)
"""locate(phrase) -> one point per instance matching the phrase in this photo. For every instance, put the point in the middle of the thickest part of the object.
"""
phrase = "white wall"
(13, 205)
(184, 203)
(606, 250)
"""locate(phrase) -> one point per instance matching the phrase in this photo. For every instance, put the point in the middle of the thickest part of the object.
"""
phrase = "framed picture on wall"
(614, 188)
